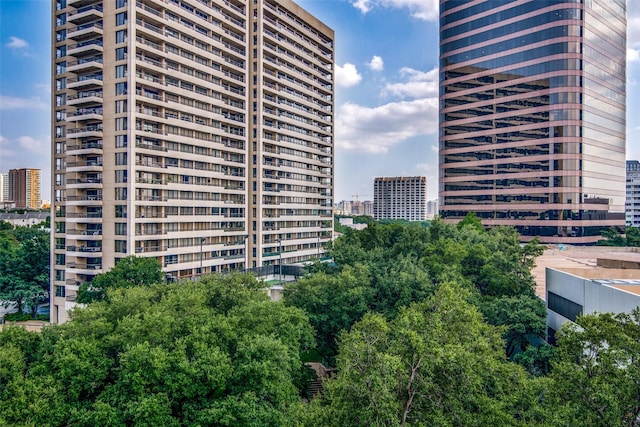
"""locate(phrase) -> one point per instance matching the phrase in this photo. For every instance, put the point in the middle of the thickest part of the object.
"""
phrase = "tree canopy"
(216, 352)
(128, 272)
(24, 267)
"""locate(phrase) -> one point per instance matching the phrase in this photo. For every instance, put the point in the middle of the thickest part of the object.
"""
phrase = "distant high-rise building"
(633, 194)
(367, 207)
(432, 209)
(197, 132)
(402, 197)
(532, 118)
(4, 187)
(24, 188)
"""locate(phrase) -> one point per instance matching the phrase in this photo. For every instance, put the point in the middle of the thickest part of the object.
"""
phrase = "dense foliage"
(128, 272)
(216, 352)
(423, 325)
(24, 267)
(613, 237)
(386, 267)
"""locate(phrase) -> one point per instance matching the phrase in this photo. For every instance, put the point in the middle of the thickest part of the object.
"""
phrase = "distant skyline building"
(532, 118)
(196, 132)
(24, 188)
(633, 194)
(401, 197)
(432, 209)
(4, 186)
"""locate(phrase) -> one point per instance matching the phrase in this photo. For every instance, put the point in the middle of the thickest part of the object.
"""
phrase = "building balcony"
(85, 13)
(85, 30)
(82, 98)
(84, 132)
(94, 46)
(86, 234)
(86, 82)
(85, 114)
(85, 64)
(89, 147)
(85, 249)
(84, 268)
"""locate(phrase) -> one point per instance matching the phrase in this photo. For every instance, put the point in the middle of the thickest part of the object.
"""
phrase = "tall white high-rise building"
(4, 187)
(401, 197)
(197, 132)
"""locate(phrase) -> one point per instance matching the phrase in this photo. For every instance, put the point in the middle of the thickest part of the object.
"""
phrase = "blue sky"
(386, 89)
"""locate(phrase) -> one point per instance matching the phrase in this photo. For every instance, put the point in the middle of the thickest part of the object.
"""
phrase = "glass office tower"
(532, 115)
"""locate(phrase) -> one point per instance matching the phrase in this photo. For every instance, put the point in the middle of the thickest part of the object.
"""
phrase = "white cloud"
(43, 86)
(13, 103)
(17, 43)
(347, 75)
(418, 84)
(376, 129)
(376, 64)
(633, 55)
(427, 167)
(427, 10)
(35, 145)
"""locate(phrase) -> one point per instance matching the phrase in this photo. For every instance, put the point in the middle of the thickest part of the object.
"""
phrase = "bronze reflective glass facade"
(532, 115)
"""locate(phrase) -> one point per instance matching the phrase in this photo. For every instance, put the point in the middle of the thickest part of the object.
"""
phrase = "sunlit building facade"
(24, 188)
(532, 122)
(400, 197)
(197, 132)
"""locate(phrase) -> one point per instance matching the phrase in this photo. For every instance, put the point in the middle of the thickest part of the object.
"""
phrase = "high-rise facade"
(532, 118)
(633, 194)
(400, 197)
(24, 188)
(4, 186)
(197, 132)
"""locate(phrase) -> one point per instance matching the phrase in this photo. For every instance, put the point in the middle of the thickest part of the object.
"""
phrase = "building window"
(121, 211)
(121, 176)
(121, 141)
(121, 246)
(121, 123)
(121, 159)
(121, 71)
(60, 290)
(563, 306)
(121, 88)
(121, 36)
(121, 53)
(121, 193)
(121, 18)
(121, 228)
(121, 106)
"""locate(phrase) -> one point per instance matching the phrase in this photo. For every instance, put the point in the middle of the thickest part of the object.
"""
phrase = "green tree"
(216, 352)
(612, 237)
(596, 374)
(24, 268)
(633, 236)
(436, 363)
(128, 272)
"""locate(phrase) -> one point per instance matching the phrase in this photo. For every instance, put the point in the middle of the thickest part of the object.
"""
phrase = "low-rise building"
(571, 292)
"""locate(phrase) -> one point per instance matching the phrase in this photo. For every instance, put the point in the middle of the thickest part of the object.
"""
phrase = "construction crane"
(358, 195)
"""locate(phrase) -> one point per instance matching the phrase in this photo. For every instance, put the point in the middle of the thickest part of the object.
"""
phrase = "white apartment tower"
(197, 132)
(401, 197)
(633, 194)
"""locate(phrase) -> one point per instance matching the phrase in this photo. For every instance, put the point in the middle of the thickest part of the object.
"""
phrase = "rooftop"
(583, 261)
